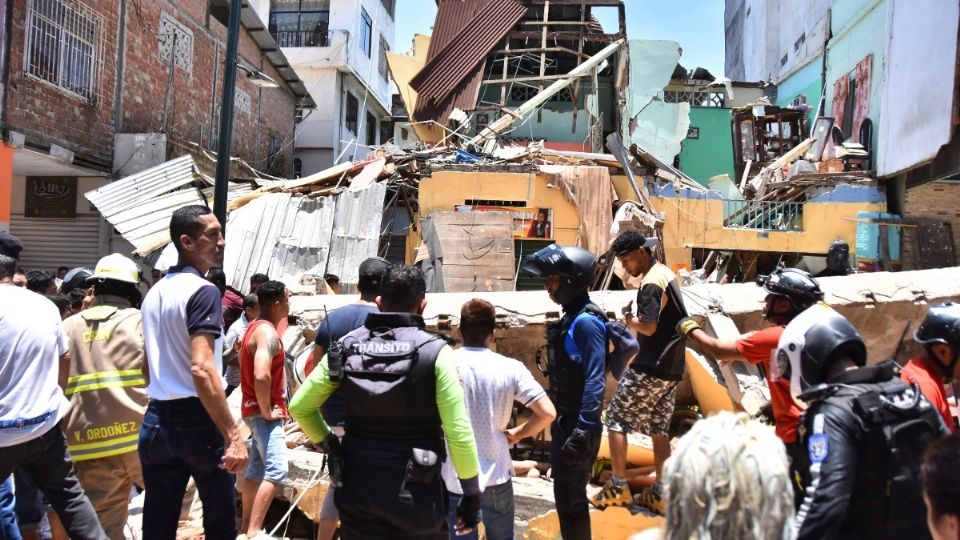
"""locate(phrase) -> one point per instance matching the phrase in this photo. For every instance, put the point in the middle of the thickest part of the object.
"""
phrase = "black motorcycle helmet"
(811, 341)
(941, 325)
(574, 265)
(797, 286)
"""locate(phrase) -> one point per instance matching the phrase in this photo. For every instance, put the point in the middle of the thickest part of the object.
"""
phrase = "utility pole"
(226, 116)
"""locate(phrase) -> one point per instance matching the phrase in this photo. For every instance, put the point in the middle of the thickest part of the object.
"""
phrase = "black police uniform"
(390, 387)
(864, 436)
(571, 471)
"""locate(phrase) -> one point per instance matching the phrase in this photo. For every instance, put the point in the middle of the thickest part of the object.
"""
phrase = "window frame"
(383, 67)
(351, 114)
(366, 27)
(372, 129)
(78, 11)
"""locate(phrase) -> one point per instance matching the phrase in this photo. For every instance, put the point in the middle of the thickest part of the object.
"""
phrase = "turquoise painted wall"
(712, 153)
(859, 29)
(805, 81)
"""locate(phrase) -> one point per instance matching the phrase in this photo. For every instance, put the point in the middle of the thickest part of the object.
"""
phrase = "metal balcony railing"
(763, 215)
(301, 38)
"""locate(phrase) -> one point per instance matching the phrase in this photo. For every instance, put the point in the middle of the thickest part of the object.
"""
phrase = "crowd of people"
(106, 392)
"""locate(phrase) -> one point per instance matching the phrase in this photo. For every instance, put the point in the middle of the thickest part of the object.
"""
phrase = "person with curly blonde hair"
(728, 478)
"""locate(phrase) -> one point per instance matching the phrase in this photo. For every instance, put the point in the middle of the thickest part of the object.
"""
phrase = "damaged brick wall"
(934, 200)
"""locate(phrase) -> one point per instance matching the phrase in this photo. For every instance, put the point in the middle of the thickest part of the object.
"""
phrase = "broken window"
(351, 113)
(64, 45)
(300, 23)
(365, 36)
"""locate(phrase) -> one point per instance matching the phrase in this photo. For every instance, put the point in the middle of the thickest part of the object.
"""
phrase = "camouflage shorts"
(642, 404)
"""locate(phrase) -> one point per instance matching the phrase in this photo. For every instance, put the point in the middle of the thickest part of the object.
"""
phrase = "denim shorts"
(268, 453)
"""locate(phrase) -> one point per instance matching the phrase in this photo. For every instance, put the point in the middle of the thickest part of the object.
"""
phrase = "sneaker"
(650, 502)
(612, 495)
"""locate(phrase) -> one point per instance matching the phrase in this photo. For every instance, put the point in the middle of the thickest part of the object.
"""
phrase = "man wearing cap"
(644, 399)
(334, 326)
(34, 360)
(107, 390)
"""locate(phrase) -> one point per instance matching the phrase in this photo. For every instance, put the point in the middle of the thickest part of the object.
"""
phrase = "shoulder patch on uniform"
(818, 446)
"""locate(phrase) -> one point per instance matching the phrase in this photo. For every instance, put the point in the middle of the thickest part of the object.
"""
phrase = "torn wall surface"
(650, 123)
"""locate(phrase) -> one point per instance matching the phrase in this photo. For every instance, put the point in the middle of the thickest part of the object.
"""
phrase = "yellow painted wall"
(698, 223)
(446, 189)
(688, 223)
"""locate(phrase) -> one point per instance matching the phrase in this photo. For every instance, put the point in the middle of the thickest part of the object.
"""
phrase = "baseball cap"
(631, 240)
(372, 271)
(10, 245)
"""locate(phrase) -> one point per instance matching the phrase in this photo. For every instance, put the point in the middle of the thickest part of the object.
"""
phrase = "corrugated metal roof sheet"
(453, 19)
(280, 235)
(140, 205)
(465, 54)
(356, 232)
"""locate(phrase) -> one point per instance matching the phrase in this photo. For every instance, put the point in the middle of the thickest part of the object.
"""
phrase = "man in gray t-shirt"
(491, 384)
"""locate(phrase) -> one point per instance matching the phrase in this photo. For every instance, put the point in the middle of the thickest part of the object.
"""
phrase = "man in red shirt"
(264, 406)
(939, 333)
(789, 292)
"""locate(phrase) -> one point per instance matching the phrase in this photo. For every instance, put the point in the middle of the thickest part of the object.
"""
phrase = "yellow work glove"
(686, 325)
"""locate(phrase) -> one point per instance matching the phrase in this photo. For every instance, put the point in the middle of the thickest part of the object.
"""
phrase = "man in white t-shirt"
(34, 363)
(491, 384)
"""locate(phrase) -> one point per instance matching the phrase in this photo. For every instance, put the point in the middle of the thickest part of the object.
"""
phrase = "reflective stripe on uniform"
(811, 491)
(95, 450)
(104, 379)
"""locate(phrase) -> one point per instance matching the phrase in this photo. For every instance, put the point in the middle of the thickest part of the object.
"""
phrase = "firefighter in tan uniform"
(107, 390)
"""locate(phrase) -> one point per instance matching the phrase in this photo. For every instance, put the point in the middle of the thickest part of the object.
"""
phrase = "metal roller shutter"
(53, 242)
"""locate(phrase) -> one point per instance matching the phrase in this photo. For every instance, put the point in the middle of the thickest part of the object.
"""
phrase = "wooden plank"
(466, 259)
(477, 271)
(476, 285)
(746, 175)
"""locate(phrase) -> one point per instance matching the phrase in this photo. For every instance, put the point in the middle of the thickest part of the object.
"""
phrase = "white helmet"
(809, 341)
(116, 267)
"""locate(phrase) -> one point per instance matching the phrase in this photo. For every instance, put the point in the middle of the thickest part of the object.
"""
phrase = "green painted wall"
(803, 82)
(859, 29)
(712, 153)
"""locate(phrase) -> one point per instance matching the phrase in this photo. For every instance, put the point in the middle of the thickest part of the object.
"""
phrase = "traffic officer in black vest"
(862, 438)
(576, 361)
(403, 397)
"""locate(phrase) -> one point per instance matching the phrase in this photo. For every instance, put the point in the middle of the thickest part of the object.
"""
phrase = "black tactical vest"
(897, 424)
(565, 375)
(390, 384)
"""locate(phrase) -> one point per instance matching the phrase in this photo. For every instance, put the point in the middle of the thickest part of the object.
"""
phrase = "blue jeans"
(496, 513)
(179, 440)
(30, 507)
(47, 462)
(8, 519)
(268, 453)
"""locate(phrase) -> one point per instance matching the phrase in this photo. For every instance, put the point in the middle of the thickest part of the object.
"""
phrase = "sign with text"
(51, 197)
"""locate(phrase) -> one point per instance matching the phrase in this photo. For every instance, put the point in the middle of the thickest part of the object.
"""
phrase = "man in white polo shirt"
(188, 429)
(34, 360)
(491, 384)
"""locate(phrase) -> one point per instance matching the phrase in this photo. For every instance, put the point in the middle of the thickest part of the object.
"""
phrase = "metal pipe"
(226, 117)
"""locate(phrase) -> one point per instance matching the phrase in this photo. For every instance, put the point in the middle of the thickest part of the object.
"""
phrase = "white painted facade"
(336, 70)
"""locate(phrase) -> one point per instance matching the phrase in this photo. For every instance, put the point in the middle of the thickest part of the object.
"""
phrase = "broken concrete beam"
(746, 385)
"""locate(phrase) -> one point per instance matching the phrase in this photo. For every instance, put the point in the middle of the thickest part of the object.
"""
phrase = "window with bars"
(365, 37)
(300, 23)
(64, 45)
(383, 67)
